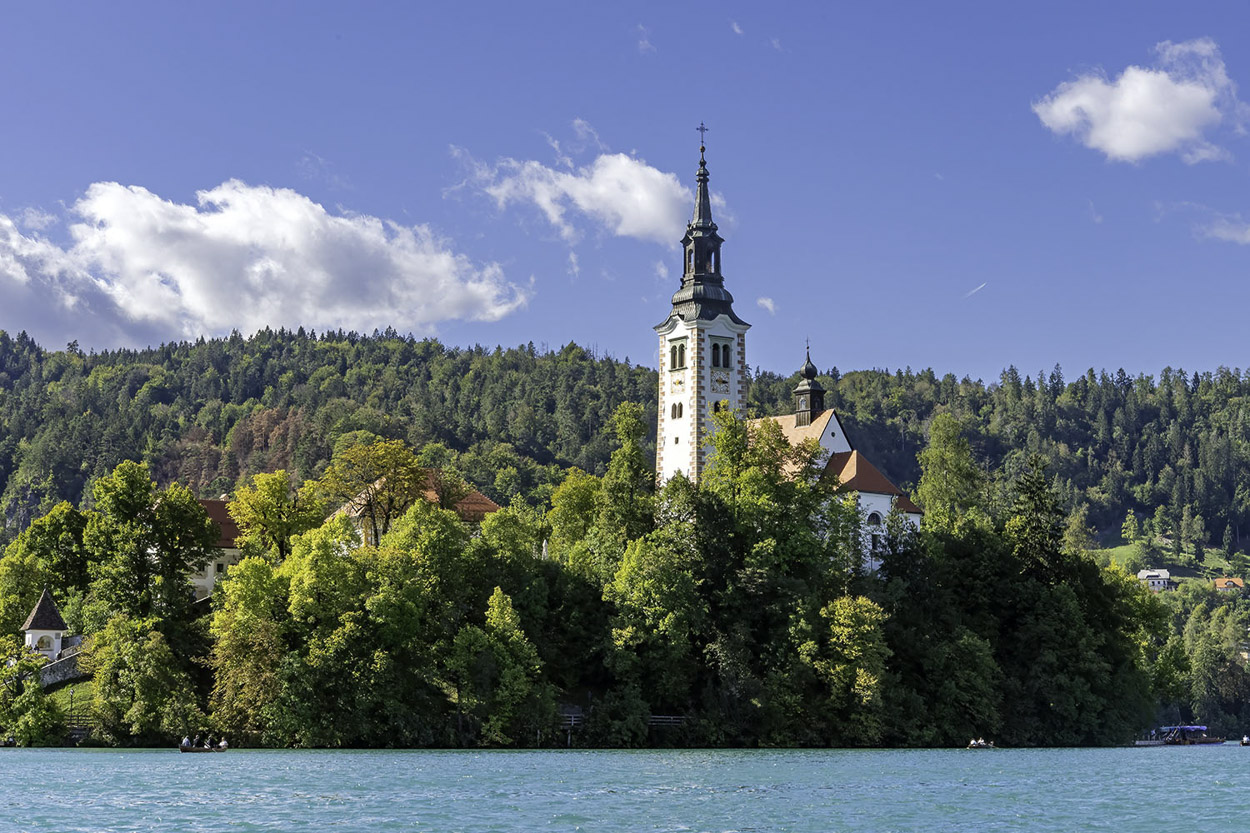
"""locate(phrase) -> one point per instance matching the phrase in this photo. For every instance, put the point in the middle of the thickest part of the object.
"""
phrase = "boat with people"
(1193, 735)
(980, 743)
(189, 745)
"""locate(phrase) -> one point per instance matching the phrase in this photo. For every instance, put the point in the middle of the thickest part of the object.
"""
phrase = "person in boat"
(186, 742)
(223, 744)
(196, 742)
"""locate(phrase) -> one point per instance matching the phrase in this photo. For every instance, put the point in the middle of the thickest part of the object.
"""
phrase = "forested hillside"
(210, 414)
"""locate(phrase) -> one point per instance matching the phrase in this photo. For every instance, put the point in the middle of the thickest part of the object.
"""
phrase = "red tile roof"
(856, 474)
(228, 529)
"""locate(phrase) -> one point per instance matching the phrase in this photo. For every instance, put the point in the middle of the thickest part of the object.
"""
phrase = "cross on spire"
(703, 129)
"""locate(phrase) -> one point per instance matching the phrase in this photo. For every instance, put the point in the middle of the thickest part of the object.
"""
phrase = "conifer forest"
(595, 609)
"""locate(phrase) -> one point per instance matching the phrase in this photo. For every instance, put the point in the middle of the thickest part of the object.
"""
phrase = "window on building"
(715, 355)
(220, 567)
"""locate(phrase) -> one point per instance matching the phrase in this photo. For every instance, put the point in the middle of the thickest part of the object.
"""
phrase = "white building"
(703, 354)
(206, 579)
(876, 495)
(44, 628)
(703, 369)
(1157, 581)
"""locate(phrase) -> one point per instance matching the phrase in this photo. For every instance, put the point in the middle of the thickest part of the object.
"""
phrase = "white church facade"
(703, 369)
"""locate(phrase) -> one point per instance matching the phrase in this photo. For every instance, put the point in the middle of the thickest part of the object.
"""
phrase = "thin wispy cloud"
(975, 290)
(1093, 213)
(767, 304)
(139, 269)
(1171, 106)
(644, 40)
(735, 28)
(775, 43)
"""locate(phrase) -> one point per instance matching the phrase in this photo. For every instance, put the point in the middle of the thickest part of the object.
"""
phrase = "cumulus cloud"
(138, 269)
(622, 193)
(1146, 111)
(767, 304)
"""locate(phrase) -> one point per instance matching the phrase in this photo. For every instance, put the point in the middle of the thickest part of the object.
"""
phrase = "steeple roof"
(702, 294)
(809, 373)
(45, 616)
(702, 218)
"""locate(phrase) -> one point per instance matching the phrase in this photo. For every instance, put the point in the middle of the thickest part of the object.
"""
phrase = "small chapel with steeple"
(703, 369)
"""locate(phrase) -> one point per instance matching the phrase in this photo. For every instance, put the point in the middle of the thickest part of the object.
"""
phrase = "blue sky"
(959, 185)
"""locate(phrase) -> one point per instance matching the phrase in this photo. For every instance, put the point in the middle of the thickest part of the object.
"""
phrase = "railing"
(667, 720)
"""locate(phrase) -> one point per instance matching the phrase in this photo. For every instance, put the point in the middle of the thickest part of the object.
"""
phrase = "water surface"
(1162, 789)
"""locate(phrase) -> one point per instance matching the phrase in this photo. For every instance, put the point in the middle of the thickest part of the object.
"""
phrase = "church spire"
(809, 395)
(702, 201)
(702, 295)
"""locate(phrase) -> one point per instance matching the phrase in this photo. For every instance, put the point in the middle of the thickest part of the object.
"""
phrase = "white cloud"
(767, 304)
(1232, 229)
(775, 43)
(644, 40)
(139, 268)
(32, 219)
(737, 30)
(974, 290)
(661, 270)
(1150, 110)
(1093, 213)
(575, 268)
(624, 194)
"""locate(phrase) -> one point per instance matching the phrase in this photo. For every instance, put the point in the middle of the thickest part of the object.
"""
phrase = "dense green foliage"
(212, 413)
(735, 603)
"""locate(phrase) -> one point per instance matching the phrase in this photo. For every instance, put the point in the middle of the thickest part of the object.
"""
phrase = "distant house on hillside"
(206, 579)
(1229, 585)
(1157, 581)
(471, 508)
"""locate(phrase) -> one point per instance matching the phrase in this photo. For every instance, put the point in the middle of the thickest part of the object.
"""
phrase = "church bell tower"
(702, 347)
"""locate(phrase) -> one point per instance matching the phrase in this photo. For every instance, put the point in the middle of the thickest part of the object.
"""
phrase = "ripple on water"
(696, 791)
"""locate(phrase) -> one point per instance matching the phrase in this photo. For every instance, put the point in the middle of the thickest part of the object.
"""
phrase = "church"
(703, 369)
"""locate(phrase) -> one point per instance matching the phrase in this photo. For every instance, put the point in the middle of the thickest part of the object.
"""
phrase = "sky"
(962, 186)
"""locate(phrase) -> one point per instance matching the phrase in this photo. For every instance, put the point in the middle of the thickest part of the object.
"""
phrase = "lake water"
(1161, 789)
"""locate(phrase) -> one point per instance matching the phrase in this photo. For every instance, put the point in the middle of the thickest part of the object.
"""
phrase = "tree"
(140, 692)
(1130, 530)
(375, 483)
(270, 511)
(49, 553)
(950, 481)
(1078, 535)
(249, 628)
(498, 677)
(145, 543)
(26, 713)
(849, 657)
